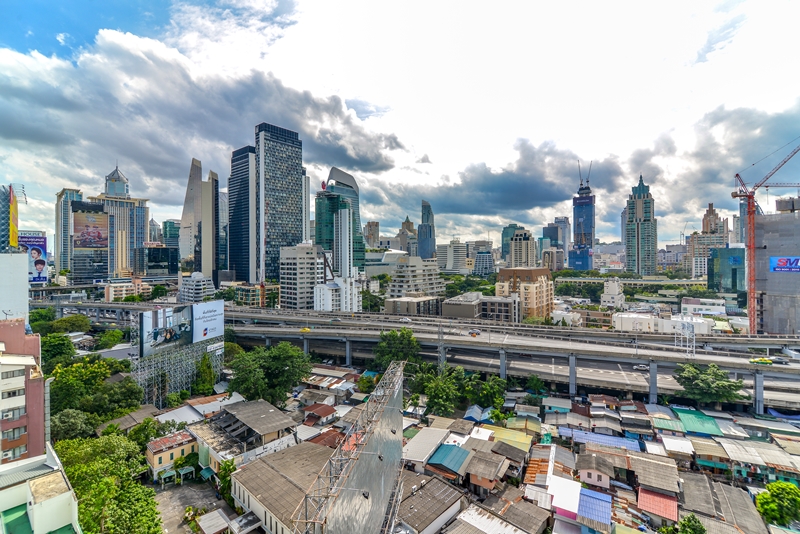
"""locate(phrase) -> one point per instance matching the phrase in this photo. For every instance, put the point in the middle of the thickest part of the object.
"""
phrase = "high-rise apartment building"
(713, 223)
(580, 257)
(242, 258)
(61, 241)
(641, 231)
(171, 232)
(566, 233)
(452, 257)
(412, 274)
(533, 286)
(199, 235)
(522, 250)
(700, 244)
(484, 263)
(555, 233)
(372, 233)
(131, 222)
(282, 197)
(426, 233)
(474, 247)
(553, 259)
(302, 268)
(505, 239)
(624, 224)
(222, 225)
(195, 288)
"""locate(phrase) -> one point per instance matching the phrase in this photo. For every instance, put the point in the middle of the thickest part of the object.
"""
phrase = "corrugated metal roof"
(423, 445)
(740, 451)
(17, 477)
(668, 424)
(579, 436)
(595, 506)
(730, 429)
(556, 402)
(665, 506)
(697, 422)
(656, 410)
(676, 444)
(708, 447)
(451, 457)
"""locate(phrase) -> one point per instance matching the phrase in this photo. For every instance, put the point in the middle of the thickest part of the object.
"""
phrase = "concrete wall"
(53, 513)
(14, 286)
(779, 235)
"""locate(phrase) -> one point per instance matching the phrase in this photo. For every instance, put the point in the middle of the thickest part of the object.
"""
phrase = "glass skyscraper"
(580, 257)
(340, 193)
(241, 218)
(505, 240)
(426, 233)
(61, 247)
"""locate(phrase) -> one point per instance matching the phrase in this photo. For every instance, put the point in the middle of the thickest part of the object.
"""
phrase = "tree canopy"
(102, 472)
(72, 323)
(396, 346)
(442, 392)
(269, 374)
(72, 424)
(707, 384)
(780, 504)
(56, 348)
(204, 378)
(108, 339)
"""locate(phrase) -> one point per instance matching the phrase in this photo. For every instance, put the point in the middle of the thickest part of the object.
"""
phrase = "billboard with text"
(36, 248)
(784, 264)
(90, 230)
(209, 320)
(165, 328)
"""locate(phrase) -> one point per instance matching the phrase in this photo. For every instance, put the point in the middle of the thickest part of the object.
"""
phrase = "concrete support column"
(653, 398)
(348, 353)
(305, 345)
(97, 315)
(119, 315)
(502, 364)
(758, 392)
(59, 311)
(573, 375)
(267, 342)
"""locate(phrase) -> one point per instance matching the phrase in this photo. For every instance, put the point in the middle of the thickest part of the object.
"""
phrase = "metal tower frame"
(684, 338)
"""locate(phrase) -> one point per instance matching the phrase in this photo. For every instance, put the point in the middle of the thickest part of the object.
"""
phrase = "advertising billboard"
(784, 264)
(209, 320)
(13, 218)
(90, 230)
(36, 248)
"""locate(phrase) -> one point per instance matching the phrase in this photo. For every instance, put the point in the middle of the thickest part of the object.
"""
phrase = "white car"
(405, 320)
(641, 367)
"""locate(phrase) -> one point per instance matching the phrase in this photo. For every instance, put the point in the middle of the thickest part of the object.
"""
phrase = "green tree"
(707, 384)
(493, 388)
(75, 382)
(499, 417)
(230, 335)
(231, 351)
(442, 393)
(72, 323)
(225, 294)
(42, 314)
(226, 469)
(174, 400)
(158, 291)
(535, 384)
(396, 346)
(108, 339)
(112, 430)
(269, 374)
(103, 473)
(531, 400)
(691, 525)
(133, 298)
(205, 378)
(366, 384)
(370, 302)
(780, 504)
(56, 349)
(42, 327)
(71, 424)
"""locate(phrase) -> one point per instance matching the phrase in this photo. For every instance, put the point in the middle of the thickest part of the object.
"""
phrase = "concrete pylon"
(573, 375)
(305, 345)
(267, 342)
(348, 353)
(503, 364)
(758, 391)
(653, 398)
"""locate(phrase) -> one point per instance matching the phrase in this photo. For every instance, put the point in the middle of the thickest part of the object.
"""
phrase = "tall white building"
(195, 288)
(302, 267)
(522, 250)
(566, 231)
(612, 296)
(452, 257)
(339, 295)
(412, 274)
(61, 245)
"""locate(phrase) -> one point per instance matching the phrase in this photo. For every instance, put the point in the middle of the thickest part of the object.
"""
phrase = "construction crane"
(749, 195)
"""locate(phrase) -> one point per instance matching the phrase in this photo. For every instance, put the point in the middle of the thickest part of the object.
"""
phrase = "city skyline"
(699, 131)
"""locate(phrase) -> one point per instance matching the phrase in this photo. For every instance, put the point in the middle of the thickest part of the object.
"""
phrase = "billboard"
(182, 325)
(90, 230)
(36, 248)
(209, 320)
(13, 218)
(784, 264)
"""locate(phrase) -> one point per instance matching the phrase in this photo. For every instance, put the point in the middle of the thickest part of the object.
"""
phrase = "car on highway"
(641, 367)
(336, 320)
(305, 330)
(778, 359)
(475, 332)
(405, 320)
(761, 361)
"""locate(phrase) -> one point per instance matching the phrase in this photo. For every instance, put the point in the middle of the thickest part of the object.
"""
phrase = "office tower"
(155, 232)
(713, 223)
(700, 245)
(408, 226)
(199, 234)
(372, 233)
(195, 288)
(157, 261)
(426, 233)
(92, 238)
(566, 234)
(22, 414)
(505, 240)
(340, 193)
(555, 233)
(343, 293)
(452, 257)
(61, 244)
(242, 258)
(624, 224)
(580, 257)
(484, 263)
(726, 272)
(170, 233)
(308, 230)
(222, 224)
(302, 268)
(282, 203)
(522, 250)
(474, 247)
(131, 222)
(735, 235)
(641, 231)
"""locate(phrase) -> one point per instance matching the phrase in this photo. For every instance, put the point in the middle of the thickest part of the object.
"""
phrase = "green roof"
(450, 457)
(409, 433)
(660, 423)
(697, 422)
(16, 520)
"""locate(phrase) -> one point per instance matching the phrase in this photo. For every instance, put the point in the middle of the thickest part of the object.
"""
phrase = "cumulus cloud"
(424, 159)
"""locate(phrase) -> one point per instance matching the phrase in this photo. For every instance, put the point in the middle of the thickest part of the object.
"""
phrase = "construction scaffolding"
(359, 489)
(172, 369)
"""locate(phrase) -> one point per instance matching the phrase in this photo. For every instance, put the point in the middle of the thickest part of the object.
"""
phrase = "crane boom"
(777, 167)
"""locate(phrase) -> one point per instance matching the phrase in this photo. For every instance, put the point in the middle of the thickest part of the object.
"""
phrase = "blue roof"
(474, 413)
(580, 436)
(595, 505)
(451, 457)
(485, 417)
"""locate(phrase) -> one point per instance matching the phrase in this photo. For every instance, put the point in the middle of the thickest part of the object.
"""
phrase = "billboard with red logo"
(784, 264)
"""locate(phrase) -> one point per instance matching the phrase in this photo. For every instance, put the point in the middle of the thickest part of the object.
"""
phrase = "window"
(13, 393)
(171, 456)
(192, 448)
(15, 433)
(160, 459)
(599, 478)
(589, 475)
(16, 413)
(13, 374)
(182, 451)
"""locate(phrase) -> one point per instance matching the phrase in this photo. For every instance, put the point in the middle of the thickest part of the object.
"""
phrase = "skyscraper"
(372, 233)
(522, 250)
(131, 222)
(580, 257)
(641, 231)
(242, 258)
(155, 232)
(282, 202)
(344, 185)
(199, 233)
(222, 224)
(171, 232)
(566, 233)
(426, 233)
(555, 233)
(505, 240)
(623, 224)
(190, 200)
(340, 195)
(61, 248)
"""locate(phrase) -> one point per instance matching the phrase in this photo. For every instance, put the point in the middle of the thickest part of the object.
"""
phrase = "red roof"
(329, 439)
(665, 506)
(322, 410)
(171, 441)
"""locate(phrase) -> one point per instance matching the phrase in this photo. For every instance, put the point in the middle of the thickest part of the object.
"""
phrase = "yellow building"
(534, 287)
(162, 452)
(262, 296)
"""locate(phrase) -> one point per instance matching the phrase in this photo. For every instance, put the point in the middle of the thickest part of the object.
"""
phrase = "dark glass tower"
(426, 233)
(280, 196)
(241, 215)
(580, 257)
(505, 240)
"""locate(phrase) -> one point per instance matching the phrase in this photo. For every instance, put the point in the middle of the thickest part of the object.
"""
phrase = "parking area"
(173, 500)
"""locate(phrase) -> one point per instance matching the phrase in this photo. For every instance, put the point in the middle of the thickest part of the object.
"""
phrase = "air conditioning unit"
(8, 415)
(6, 454)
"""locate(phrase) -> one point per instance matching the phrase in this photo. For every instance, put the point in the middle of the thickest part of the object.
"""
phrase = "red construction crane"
(750, 255)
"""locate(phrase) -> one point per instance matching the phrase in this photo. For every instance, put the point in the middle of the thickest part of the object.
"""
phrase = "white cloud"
(62, 38)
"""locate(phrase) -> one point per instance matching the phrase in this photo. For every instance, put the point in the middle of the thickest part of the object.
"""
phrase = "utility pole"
(442, 351)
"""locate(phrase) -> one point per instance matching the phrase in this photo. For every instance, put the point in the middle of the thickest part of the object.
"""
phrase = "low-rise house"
(566, 496)
(569, 420)
(555, 404)
(636, 426)
(604, 401)
(242, 432)
(477, 519)
(520, 440)
(661, 508)
(708, 454)
(594, 470)
(319, 414)
(317, 396)
(128, 421)
(162, 452)
(510, 505)
(421, 447)
(198, 409)
(461, 426)
(594, 511)
(679, 449)
(477, 414)
(428, 503)
(349, 419)
(450, 462)
(668, 427)
(485, 471)
(517, 457)
(524, 410)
